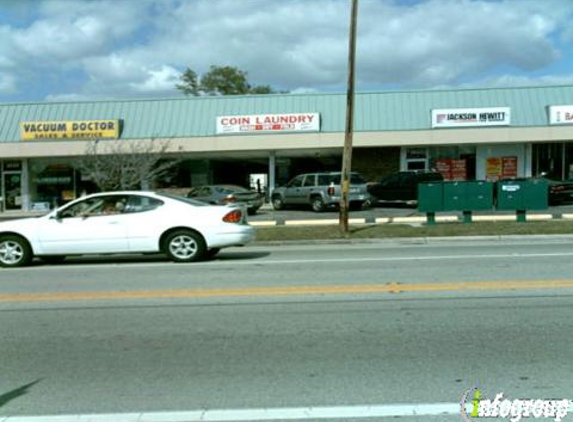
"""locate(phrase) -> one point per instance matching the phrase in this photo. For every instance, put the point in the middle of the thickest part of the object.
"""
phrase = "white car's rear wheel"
(15, 251)
(185, 246)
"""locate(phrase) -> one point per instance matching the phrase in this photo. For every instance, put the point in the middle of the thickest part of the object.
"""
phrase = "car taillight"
(330, 190)
(557, 188)
(234, 216)
(230, 199)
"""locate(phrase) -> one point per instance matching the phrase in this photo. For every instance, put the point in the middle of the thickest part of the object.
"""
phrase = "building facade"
(476, 134)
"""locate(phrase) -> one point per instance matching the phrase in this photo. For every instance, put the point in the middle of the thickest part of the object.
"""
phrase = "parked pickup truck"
(319, 191)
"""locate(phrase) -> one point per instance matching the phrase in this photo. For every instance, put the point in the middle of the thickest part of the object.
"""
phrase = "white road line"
(255, 261)
(270, 414)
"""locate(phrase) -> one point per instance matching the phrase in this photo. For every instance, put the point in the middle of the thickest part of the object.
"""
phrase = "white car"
(125, 222)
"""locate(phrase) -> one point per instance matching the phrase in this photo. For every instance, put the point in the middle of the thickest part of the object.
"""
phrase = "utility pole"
(347, 152)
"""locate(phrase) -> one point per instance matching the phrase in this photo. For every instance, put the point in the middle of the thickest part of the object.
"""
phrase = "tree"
(220, 80)
(190, 84)
(121, 165)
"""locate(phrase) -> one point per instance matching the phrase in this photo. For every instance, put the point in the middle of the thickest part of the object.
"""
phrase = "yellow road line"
(284, 291)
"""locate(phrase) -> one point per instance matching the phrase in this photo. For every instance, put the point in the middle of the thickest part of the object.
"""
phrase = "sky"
(68, 50)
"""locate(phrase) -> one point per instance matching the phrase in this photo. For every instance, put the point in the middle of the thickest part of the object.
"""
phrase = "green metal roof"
(380, 111)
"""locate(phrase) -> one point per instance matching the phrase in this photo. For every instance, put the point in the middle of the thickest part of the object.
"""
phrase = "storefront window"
(554, 160)
(416, 158)
(455, 162)
(52, 183)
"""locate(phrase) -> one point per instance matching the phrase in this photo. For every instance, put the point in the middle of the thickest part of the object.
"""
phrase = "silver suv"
(320, 190)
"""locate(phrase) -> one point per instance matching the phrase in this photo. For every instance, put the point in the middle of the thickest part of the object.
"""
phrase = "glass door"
(12, 188)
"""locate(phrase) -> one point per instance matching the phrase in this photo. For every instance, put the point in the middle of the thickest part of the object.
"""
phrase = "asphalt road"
(357, 328)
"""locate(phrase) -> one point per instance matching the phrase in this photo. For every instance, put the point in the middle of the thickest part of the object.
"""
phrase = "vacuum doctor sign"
(468, 117)
(294, 122)
(82, 129)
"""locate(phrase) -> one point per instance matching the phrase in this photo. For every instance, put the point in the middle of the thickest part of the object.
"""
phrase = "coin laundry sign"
(83, 129)
(295, 122)
(466, 117)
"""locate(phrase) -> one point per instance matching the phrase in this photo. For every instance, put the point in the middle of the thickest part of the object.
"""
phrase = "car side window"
(357, 179)
(409, 180)
(138, 203)
(296, 182)
(309, 180)
(392, 180)
(328, 179)
(98, 206)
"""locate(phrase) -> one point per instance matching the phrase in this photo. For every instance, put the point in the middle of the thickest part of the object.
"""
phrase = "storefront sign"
(459, 170)
(295, 122)
(501, 168)
(83, 129)
(508, 167)
(493, 169)
(452, 169)
(468, 117)
(561, 115)
(12, 165)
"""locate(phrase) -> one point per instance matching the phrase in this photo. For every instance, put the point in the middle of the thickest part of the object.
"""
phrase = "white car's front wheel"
(15, 251)
(185, 246)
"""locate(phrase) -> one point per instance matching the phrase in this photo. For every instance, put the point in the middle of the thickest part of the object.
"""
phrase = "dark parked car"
(402, 186)
(227, 194)
(559, 191)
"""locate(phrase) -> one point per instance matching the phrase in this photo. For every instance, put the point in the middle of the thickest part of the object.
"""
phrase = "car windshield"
(188, 201)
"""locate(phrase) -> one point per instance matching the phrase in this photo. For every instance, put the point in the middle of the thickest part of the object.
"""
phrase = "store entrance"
(11, 189)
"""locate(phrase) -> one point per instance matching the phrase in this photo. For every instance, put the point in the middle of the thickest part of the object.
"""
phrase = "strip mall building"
(473, 134)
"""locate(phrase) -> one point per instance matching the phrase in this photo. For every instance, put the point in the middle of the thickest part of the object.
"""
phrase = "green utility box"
(522, 194)
(479, 196)
(468, 196)
(454, 196)
(430, 197)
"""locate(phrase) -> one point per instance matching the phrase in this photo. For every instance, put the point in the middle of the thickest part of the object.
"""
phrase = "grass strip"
(280, 233)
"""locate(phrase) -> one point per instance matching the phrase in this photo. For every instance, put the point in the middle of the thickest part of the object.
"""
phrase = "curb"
(556, 238)
(411, 220)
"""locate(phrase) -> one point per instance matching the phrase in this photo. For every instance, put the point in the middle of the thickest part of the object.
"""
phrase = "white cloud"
(68, 97)
(161, 80)
(294, 43)
(514, 81)
(7, 83)
(133, 48)
(71, 30)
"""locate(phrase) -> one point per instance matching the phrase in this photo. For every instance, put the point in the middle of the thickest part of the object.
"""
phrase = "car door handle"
(113, 222)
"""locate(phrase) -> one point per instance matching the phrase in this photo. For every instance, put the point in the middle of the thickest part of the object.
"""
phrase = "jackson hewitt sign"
(466, 117)
(81, 129)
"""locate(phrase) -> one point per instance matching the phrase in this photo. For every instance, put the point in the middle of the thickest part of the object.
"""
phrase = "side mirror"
(56, 216)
